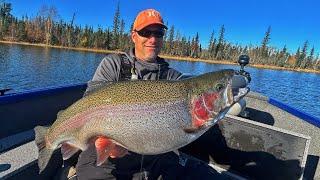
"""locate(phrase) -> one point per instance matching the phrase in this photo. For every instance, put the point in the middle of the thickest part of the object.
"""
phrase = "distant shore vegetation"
(46, 29)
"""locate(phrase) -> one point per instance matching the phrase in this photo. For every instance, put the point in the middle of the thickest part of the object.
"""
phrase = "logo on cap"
(152, 13)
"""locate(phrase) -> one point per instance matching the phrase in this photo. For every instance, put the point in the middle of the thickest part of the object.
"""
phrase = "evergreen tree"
(265, 42)
(116, 28)
(108, 39)
(303, 55)
(297, 57)
(220, 44)
(122, 41)
(282, 57)
(170, 40)
(12, 30)
(196, 47)
(165, 41)
(22, 35)
(99, 38)
(177, 44)
(48, 14)
(211, 45)
(189, 47)
(70, 34)
(184, 47)
(309, 59)
(5, 18)
(317, 62)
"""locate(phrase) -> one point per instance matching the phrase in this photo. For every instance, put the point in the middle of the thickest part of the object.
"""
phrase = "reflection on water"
(23, 68)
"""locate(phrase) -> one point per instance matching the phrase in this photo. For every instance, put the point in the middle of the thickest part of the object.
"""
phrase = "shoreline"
(260, 66)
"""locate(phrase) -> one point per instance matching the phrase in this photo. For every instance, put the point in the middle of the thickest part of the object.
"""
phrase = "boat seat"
(2, 91)
(18, 159)
(21, 163)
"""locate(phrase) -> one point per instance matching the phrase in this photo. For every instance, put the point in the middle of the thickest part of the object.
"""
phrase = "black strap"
(125, 69)
(164, 74)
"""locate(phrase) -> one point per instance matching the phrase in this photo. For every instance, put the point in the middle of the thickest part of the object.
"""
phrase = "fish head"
(211, 95)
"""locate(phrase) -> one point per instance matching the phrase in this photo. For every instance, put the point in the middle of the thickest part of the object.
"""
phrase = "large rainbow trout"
(146, 117)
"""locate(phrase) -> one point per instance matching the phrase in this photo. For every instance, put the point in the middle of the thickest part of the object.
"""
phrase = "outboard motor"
(240, 80)
(243, 61)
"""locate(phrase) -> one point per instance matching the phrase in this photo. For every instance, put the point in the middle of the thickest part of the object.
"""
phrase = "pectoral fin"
(68, 149)
(106, 147)
(192, 129)
(103, 148)
(176, 152)
(118, 151)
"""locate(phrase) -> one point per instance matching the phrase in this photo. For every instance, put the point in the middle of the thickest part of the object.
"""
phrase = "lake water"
(24, 68)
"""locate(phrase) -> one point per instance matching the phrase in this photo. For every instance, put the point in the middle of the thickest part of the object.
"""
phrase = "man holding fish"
(133, 128)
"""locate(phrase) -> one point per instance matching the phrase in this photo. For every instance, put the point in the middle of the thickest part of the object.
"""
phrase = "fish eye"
(219, 86)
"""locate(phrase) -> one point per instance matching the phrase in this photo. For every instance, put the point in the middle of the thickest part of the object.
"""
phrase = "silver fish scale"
(147, 128)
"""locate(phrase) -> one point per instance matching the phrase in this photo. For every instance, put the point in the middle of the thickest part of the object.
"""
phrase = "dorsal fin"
(94, 86)
(59, 113)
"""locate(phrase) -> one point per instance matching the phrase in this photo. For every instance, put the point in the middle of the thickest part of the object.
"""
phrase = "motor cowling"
(241, 79)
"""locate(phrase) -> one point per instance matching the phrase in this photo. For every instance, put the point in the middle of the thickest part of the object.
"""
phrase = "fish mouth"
(239, 93)
(233, 95)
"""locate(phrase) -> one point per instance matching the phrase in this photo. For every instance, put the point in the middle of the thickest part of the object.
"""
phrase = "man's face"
(148, 42)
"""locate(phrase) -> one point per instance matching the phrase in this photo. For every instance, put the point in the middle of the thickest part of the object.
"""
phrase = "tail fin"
(45, 153)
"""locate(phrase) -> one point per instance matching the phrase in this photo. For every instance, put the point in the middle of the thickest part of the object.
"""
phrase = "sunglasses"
(147, 33)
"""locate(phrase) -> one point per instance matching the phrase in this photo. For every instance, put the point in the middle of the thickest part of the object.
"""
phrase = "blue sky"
(246, 21)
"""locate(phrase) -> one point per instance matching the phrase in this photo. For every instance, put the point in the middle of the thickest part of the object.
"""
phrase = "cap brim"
(145, 25)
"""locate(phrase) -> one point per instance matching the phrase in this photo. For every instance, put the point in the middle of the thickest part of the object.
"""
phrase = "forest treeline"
(45, 28)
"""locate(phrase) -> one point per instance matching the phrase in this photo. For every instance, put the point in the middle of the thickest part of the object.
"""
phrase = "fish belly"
(144, 128)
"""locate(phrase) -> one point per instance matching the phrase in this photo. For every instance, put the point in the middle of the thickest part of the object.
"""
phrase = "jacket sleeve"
(108, 69)
(174, 74)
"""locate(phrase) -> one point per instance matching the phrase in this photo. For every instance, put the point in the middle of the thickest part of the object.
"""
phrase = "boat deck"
(272, 115)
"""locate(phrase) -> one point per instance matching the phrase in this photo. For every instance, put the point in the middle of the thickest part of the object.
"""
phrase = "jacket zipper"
(159, 71)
